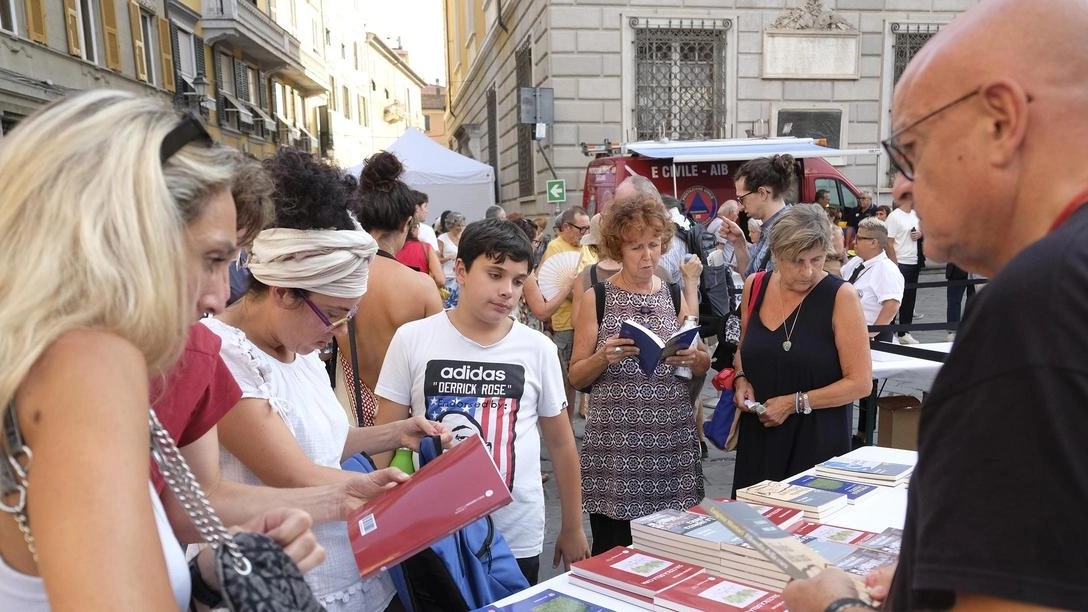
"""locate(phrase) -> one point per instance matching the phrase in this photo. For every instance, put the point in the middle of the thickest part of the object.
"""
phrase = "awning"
(740, 149)
(269, 122)
(292, 131)
(237, 106)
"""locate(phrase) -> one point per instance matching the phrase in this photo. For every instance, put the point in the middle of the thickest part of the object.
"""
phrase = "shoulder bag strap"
(593, 280)
(757, 286)
(598, 292)
(674, 293)
(356, 388)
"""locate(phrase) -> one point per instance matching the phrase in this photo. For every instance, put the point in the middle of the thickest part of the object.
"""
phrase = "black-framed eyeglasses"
(866, 238)
(895, 153)
(190, 129)
(740, 198)
(581, 230)
(324, 318)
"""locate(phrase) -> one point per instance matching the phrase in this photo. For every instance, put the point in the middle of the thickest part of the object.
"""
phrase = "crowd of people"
(122, 299)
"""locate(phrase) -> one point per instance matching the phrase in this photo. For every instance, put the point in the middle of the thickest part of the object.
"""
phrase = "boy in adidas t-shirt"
(479, 372)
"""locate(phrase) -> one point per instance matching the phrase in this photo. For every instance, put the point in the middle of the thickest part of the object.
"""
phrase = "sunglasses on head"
(189, 129)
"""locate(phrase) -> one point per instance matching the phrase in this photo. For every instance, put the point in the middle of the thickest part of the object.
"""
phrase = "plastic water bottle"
(402, 459)
(690, 322)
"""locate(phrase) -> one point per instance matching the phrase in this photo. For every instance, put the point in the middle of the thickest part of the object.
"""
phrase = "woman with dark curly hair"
(640, 453)
(289, 430)
(396, 294)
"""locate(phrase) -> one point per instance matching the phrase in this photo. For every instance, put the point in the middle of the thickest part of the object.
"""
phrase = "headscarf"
(335, 263)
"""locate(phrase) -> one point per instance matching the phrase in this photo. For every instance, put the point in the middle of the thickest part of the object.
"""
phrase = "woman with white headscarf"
(289, 429)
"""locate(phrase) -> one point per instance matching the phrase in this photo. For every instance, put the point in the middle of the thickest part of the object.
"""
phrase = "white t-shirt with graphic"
(495, 391)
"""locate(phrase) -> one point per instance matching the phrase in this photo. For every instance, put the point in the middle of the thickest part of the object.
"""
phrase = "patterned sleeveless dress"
(640, 452)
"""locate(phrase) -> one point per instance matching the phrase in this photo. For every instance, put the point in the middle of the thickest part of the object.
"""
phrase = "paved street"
(718, 468)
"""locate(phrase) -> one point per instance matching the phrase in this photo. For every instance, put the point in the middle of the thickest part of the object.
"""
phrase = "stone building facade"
(623, 71)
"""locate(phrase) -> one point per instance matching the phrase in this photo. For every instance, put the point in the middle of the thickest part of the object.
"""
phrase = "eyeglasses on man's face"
(330, 325)
(866, 238)
(581, 230)
(895, 152)
(740, 198)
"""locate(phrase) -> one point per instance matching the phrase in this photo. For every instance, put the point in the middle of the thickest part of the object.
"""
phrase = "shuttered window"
(108, 11)
(138, 45)
(166, 53)
(35, 21)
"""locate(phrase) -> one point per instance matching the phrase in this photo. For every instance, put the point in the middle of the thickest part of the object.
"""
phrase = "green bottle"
(402, 459)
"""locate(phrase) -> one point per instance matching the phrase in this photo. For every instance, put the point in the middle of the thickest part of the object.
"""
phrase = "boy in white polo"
(479, 372)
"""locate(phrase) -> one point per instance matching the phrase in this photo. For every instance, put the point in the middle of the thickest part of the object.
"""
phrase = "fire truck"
(701, 173)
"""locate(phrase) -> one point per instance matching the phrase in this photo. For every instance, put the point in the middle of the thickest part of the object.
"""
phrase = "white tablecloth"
(886, 509)
(911, 369)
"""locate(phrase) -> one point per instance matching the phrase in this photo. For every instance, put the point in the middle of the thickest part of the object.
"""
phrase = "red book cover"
(709, 593)
(639, 601)
(784, 518)
(634, 571)
(831, 533)
(456, 488)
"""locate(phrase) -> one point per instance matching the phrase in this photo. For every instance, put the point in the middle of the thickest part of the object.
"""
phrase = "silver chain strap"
(187, 490)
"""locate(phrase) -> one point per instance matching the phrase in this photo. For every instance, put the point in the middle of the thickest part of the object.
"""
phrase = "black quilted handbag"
(255, 575)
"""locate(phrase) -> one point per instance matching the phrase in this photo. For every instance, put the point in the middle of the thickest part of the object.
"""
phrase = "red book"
(458, 487)
(709, 593)
(634, 571)
(639, 601)
(830, 533)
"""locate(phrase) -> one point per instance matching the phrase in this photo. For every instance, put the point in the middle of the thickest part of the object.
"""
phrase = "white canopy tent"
(451, 180)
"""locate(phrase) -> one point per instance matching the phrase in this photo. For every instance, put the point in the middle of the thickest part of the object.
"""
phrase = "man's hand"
(879, 582)
(417, 427)
(731, 232)
(815, 594)
(290, 528)
(360, 488)
(570, 546)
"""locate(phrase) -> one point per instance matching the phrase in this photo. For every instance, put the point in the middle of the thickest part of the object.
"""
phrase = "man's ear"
(1005, 105)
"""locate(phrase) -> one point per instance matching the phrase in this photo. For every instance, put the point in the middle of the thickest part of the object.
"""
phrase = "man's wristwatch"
(847, 603)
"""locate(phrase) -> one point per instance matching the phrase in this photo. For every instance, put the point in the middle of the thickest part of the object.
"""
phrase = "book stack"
(547, 600)
(854, 491)
(866, 472)
(709, 593)
(630, 575)
(816, 504)
(696, 538)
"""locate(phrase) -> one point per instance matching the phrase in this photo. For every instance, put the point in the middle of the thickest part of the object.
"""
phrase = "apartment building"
(628, 70)
(434, 114)
(261, 73)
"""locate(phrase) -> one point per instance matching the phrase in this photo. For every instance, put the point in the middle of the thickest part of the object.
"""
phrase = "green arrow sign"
(557, 191)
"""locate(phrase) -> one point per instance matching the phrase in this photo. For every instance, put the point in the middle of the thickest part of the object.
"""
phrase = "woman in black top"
(804, 355)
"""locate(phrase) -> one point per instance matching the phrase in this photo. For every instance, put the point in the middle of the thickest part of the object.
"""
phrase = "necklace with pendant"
(787, 345)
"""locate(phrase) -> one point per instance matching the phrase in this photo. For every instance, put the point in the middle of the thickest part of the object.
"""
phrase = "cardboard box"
(897, 421)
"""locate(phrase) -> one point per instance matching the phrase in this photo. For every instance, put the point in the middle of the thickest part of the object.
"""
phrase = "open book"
(652, 350)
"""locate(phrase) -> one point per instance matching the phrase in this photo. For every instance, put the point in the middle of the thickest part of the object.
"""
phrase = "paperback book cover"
(832, 533)
(778, 546)
(652, 350)
(639, 601)
(634, 570)
(548, 601)
(457, 487)
(812, 501)
(874, 470)
(888, 541)
(779, 515)
(709, 593)
(852, 490)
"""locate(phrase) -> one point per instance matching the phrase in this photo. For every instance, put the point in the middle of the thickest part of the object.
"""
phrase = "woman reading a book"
(289, 430)
(640, 453)
(803, 356)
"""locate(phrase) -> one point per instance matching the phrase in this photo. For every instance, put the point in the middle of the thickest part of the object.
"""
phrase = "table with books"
(849, 511)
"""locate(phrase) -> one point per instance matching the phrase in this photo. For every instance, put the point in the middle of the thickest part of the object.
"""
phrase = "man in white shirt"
(878, 281)
(903, 249)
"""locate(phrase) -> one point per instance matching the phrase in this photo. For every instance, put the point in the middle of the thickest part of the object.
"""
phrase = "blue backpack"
(466, 570)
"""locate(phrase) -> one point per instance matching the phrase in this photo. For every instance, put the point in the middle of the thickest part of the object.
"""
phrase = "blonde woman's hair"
(91, 228)
(800, 228)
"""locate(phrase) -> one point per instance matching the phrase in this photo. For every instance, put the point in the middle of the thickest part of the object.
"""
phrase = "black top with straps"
(812, 362)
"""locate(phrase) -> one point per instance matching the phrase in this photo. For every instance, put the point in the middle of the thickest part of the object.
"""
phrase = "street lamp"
(200, 86)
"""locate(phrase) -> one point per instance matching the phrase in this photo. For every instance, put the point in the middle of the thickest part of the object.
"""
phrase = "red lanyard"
(1078, 201)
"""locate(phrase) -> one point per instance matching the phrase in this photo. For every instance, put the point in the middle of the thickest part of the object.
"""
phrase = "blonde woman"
(112, 209)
